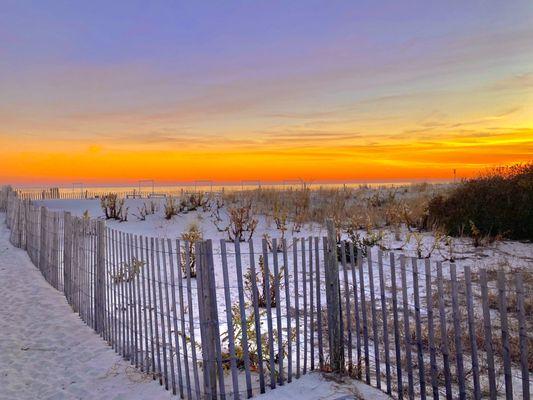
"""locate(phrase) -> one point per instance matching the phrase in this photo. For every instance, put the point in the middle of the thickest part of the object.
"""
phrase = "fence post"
(100, 276)
(207, 308)
(333, 301)
(42, 240)
(67, 254)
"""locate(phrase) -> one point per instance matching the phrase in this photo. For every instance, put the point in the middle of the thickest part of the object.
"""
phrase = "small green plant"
(253, 352)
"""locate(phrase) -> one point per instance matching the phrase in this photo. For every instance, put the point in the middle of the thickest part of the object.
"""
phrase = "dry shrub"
(375, 208)
(145, 210)
(265, 295)
(496, 203)
(242, 223)
(127, 271)
(171, 207)
(189, 238)
(195, 201)
(113, 207)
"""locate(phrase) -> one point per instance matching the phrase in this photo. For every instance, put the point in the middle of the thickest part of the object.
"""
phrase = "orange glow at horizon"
(389, 159)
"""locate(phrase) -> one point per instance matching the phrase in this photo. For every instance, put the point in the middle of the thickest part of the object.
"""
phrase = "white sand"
(46, 351)
(315, 386)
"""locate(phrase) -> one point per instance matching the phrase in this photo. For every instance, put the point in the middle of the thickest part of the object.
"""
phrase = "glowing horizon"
(319, 91)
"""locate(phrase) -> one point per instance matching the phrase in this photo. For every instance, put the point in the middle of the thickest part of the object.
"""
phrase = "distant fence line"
(81, 192)
(218, 320)
(66, 194)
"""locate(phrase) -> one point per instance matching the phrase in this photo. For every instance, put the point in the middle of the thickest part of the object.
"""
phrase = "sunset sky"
(115, 91)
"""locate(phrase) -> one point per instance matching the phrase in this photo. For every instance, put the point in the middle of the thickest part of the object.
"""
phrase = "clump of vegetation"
(127, 271)
(113, 207)
(189, 238)
(265, 295)
(171, 207)
(145, 210)
(242, 223)
(253, 351)
(195, 201)
(495, 203)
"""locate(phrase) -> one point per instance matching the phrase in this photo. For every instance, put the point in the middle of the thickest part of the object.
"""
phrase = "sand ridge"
(46, 351)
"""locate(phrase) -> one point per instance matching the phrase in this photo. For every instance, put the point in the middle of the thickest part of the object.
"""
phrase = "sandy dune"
(46, 351)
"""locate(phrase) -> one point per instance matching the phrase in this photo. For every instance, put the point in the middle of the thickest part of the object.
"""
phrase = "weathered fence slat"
(167, 309)
(305, 305)
(296, 304)
(138, 304)
(347, 300)
(109, 289)
(364, 317)
(153, 253)
(318, 306)
(131, 300)
(216, 323)
(143, 304)
(356, 309)
(206, 321)
(384, 318)
(149, 262)
(116, 295)
(267, 292)
(407, 329)
(375, 333)
(418, 330)
(123, 302)
(472, 331)
(229, 320)
(244, 323)
(457, 334)
(278, 311)
(179, 265)
(190, 308)
(397, 348)
(288, 310)
(505, 335)
(523, 336)
(431, 331)
(257, 322)
(444, 333)
(311, 306)
(335, 327)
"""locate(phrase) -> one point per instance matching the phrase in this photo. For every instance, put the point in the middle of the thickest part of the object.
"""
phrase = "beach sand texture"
(46, 351)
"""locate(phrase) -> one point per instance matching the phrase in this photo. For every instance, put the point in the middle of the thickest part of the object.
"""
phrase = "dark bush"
(499, 202)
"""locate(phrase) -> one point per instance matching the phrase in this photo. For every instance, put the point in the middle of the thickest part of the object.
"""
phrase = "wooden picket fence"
(219, 320)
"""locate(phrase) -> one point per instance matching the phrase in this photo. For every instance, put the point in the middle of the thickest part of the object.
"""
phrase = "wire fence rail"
(232, 320)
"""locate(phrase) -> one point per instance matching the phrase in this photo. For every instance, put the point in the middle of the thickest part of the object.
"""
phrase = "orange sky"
(110, 95)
